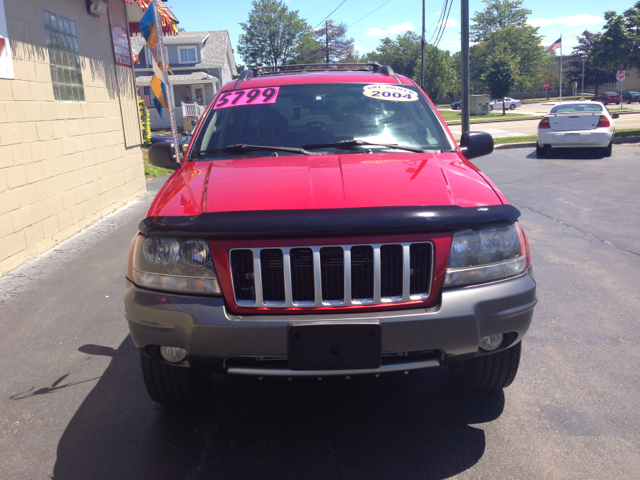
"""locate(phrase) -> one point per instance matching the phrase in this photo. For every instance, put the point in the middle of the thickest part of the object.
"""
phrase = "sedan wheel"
(604, 102)
(541, 152)
(606, 151)
(512, 107)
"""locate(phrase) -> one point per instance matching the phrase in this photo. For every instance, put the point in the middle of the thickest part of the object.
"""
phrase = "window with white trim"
(187, 55)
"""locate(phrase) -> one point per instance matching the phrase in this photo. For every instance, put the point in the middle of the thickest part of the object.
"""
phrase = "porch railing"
(192, 110)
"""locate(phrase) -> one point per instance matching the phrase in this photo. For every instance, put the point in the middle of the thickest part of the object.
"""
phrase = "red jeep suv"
(324, 222)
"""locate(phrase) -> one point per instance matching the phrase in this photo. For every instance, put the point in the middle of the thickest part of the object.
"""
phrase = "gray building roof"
(214, 50)
(178, 77)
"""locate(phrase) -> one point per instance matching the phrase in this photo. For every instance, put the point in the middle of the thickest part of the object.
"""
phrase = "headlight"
(176, 264)
(487, 254)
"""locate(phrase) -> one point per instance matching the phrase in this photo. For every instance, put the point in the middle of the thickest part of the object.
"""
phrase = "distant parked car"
(576, 125)
(607, 97)
(510, 103)
(630, 97)
(456, 105)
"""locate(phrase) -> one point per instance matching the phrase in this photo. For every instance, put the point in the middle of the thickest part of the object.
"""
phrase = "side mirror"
(161, 154)
(615, 115)
(476, 144)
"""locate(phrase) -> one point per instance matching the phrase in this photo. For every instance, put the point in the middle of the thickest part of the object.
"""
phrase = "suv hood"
(323, 181)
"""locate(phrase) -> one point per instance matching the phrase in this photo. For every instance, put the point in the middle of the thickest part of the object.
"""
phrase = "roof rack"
(311, 67)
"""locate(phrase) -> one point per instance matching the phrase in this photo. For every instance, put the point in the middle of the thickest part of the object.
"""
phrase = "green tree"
(496, 16)
(313, 45)
(501, 72)
(592, 76)
(523, 43)
(270, 34)
(618, 47)
(401, 54)
(456, 86)
(439, 74)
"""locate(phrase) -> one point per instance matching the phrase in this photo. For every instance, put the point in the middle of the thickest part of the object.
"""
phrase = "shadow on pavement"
(571, 154)
(405, 426)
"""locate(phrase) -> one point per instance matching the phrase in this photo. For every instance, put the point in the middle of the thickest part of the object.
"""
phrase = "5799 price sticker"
(253, 96)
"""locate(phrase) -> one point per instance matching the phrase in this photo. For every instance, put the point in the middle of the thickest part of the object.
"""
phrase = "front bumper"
(216, 338)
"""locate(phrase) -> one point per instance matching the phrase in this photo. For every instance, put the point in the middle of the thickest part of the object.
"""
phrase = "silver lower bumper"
(212, 335)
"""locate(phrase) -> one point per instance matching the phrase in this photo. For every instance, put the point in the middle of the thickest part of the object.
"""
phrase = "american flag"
(556, 44)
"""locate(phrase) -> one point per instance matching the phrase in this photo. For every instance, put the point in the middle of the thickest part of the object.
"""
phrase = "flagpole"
(560, 68)
(165, 73)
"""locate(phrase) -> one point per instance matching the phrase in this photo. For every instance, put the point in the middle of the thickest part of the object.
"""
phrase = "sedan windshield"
(366, 118)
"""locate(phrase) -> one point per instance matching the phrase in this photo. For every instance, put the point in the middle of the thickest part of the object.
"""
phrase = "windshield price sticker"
(253, 96)
(390, 92)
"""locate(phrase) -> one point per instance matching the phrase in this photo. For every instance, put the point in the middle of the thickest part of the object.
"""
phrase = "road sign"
(546, 85)
(575, 84)
(620, 75)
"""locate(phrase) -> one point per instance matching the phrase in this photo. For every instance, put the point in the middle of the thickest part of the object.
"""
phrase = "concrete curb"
(507, 146)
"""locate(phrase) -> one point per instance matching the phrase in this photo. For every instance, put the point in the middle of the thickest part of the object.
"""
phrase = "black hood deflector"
(339, 222)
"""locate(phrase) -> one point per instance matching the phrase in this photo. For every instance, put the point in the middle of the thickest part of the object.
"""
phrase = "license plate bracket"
(334, 345)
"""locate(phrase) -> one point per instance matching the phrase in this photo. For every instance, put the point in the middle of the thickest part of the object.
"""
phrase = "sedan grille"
(332, 275)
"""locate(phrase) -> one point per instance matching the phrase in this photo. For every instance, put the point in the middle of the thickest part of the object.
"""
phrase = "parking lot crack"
(585, 235)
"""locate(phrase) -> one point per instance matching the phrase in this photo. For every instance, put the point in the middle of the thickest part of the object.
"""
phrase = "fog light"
(174, 354)
(489, 343)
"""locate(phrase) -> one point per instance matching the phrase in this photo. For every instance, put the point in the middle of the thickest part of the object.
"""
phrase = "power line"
(439, 27)
(444, 24)
(329, 14)
(349, 26)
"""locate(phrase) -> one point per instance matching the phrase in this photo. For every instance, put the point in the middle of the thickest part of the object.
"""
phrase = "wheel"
(628, 102)
(490, 108)
(488, 372)
(512, 107)
(171, 385)
(606, 151)
(604, 102)
(541, 152)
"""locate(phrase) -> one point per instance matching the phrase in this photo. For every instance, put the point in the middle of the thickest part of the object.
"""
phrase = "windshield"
(316, 116)
(583, 107)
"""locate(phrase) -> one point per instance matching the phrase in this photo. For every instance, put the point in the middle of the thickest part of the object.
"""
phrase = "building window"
(187, 55)
(64, 60)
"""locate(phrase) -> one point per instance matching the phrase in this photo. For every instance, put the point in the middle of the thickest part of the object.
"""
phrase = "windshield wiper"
(358, 143)
(243, 147)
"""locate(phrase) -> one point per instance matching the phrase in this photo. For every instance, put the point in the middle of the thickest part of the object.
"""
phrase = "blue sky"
(552, 16)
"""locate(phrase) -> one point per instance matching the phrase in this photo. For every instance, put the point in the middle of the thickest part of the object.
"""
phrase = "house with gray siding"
(201, 63)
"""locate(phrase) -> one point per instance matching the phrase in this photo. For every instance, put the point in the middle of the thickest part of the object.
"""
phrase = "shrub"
(144, 122)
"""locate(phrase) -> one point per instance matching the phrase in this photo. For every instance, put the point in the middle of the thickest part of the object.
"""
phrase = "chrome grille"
(341, 275)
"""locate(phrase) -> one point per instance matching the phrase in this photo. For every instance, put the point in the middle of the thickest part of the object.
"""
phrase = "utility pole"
(326, 33)
(422, 61)
(583, 60)
(464, 51)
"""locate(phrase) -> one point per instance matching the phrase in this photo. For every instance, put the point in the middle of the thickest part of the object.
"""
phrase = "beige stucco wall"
(63, 165)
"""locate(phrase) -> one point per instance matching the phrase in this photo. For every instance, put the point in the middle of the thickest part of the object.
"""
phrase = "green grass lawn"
(454, 116)
(151, 171)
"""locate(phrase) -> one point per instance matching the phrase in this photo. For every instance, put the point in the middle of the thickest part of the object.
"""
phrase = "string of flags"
(150, 32)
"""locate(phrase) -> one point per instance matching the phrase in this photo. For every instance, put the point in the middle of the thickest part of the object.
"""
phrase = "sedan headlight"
(484, 255)
(175, 264)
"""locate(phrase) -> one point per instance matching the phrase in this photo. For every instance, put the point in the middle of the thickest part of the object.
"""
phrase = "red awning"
(169, 21)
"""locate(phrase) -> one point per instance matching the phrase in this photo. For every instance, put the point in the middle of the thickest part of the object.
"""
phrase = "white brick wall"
(63, 165)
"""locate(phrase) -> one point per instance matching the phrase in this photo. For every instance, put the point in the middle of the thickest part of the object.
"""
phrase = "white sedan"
(510, 103)
(576, 125)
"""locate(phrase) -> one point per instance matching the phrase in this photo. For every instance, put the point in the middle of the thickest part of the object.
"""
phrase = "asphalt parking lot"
(74, 406)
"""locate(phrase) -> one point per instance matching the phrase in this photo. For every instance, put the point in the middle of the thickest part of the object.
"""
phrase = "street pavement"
(74, 405)
(530, 127)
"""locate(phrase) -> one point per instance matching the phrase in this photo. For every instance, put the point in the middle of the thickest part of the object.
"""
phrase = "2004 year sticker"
(390, 92)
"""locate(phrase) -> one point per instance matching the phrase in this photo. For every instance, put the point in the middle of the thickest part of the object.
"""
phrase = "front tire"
(488, 372)
(170, 385)
(512, 107)
(604, 102)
